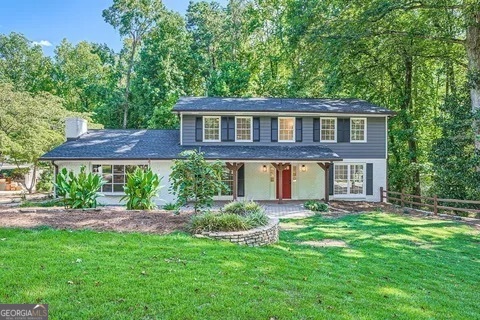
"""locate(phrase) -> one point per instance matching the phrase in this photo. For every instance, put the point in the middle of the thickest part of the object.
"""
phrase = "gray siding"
(374, 148)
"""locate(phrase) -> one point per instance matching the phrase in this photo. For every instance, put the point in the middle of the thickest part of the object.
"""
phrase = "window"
(358, 128)
(286, 132)
(349, 179)
(328, 128)
(115, 175)
(243, 127)
(227, 178)
(211, 129)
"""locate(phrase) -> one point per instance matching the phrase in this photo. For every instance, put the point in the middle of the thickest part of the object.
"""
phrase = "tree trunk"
(406, 107)
(473, 54)
(126, 104)
(33, 182)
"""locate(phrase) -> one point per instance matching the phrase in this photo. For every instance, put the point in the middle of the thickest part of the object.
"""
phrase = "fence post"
(381, 194)
(435, 204)
(402, 198)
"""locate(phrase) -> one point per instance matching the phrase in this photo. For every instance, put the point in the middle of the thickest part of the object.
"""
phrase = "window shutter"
(369, 179)
(330, 180)
(298, 130)
(225, 121)
(198, 129)
(241, 182)
(274, 122)
(316, 129)
(256, 129)
(343, 130)
(231, 129)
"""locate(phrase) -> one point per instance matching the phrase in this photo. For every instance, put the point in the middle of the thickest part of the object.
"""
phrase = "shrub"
(195, 179)
(235, 216)
(43, 204)
(217, 222)
(141, 187)
(242, 208)
(78, 191)
(170, 206)
(45, 183)
(316, 206)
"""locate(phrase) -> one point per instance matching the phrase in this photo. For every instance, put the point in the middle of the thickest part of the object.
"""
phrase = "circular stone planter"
(255, 237)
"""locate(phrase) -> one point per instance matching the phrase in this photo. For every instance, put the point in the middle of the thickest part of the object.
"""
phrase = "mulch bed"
(105, 219)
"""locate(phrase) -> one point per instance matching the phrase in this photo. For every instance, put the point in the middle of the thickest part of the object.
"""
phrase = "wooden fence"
(433, 203)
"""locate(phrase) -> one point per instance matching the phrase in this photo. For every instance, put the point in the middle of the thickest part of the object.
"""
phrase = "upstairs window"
(115, 175)
(211, 129)
(243, 128)
(328, 129)
(358, 129)
(286, 132)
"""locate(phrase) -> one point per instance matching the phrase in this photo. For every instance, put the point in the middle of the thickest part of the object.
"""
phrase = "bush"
(170, 206)
(217, 222)
(43, 204)
(45, 183)
(242, 208)
(316, 206)
(79, 191)
(142, 186)
(234, 216)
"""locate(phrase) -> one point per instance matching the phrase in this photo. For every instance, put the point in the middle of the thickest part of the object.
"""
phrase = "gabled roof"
(209, 104)
(164, 145)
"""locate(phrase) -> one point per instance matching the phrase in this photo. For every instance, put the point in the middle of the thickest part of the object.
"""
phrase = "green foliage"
(141, 188)
(194, 179)
(43, 204)
(217, 222)
(316, 206)
(454, 158)
(45, 183)
(242, 208)
(170, 206)
(234, 216)
(78, 191)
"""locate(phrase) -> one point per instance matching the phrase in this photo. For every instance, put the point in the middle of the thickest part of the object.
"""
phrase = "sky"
(47, 22)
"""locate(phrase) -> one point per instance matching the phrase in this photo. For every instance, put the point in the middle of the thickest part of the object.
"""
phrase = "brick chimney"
(75, 127)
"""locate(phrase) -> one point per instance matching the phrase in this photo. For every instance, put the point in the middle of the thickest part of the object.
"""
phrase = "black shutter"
(231, 129)
(256, 129)
(330, 180)
(316, 129)
(298, 130)
(241, 182)
(369, 179)
(198, 129)
(274, 122)
(224, 128)
(343, 130)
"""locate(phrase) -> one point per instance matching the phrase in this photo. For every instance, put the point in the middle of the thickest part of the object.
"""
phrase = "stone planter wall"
(256, 237)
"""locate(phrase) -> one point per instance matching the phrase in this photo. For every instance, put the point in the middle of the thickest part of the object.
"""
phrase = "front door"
(286, 183)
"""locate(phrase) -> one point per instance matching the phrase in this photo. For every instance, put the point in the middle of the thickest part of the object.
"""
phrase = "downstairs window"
(115, 175)
(349, 179)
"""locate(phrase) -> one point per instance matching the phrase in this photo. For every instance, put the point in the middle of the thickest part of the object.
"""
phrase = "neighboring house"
(272, 148)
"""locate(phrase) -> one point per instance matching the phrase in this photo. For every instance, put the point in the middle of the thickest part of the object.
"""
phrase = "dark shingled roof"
(207, 104)
(164, 144)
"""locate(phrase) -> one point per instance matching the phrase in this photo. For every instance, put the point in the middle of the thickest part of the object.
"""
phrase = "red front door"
(286, 183)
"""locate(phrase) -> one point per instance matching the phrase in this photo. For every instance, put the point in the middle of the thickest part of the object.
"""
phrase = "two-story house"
(272, 148)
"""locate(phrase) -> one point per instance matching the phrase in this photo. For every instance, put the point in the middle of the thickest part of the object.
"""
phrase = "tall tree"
(133, 19)
(23, 64)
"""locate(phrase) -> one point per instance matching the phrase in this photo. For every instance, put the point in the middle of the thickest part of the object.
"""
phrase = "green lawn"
(394, 267)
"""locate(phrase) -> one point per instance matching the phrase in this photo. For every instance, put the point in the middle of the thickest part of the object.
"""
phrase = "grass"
(394, 267)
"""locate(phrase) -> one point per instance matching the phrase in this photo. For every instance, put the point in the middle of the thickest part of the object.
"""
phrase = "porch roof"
(163, 145)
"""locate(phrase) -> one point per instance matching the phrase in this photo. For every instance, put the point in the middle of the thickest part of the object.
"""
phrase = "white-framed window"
(358, 129)
(349, 179)
(115, 175)
(243, 129)
(328, 129)
(227, 178)
(211, 129)
(286, 129)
